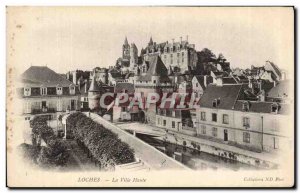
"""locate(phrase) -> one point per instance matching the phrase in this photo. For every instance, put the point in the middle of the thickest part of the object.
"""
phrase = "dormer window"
(27, 91)
(72, 89)
(59, 90)
(274, 108)
(44, 91)
(246, 106)
(214, 103)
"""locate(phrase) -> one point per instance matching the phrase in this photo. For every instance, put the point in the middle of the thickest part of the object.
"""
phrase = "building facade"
(45, 92)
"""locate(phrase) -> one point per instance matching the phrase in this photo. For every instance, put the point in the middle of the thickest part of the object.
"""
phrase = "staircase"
(133, 166)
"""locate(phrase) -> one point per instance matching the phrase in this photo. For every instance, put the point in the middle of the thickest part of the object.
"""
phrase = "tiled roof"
(43, 76)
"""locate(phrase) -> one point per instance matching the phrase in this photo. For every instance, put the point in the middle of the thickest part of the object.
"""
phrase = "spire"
(126, 41)
(151, 41)
(94, 86)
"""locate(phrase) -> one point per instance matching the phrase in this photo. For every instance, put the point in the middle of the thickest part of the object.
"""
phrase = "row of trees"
(104, 145)
(54, 154)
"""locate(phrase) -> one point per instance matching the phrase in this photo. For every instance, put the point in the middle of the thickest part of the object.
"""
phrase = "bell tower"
(126, 50)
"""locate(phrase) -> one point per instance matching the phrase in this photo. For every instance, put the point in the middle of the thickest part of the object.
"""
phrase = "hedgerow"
(103, 144)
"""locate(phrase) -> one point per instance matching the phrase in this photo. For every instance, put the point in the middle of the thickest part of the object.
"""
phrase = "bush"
(56, 152)
(104, 145)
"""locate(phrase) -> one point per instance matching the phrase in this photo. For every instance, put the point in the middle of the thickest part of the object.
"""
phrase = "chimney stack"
(187, 38)
(173, 40)
(205, 81)
(180, 39)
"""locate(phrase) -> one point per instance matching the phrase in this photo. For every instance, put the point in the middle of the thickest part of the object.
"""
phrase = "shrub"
(56, 151)
(104, 145)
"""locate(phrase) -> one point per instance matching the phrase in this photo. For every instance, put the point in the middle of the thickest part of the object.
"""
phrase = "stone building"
(226, 115)
(44, 92)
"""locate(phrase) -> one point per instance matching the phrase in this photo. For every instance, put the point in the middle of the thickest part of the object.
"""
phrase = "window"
(165, 122)
(154, 81)
(246, 106)
(274, 108)
(27, 118)
(72, 89)
(214, 132)
(214, 103)
(27, 107)
(59, 105)
(27, 91)
(59, 90)
(173, 124)
(246, 122)
(123, 109)
(225, 119)
(246, 137)
(214, 117)
(197, 84)
(43, 91)
(203, 129)
(203, 116)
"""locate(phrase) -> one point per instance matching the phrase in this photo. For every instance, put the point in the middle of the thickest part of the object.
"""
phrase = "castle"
(176, 56)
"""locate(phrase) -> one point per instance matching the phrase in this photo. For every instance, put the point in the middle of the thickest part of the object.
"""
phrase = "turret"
(94, 95)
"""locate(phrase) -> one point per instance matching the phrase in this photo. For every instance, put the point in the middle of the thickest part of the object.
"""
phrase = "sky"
(70, 38)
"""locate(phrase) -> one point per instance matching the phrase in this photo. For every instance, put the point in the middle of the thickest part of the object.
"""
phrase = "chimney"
(74, 78)
(180, 39)
(261, 96)
(205, 81)
(274, 83)
(219, 81)
(173, 40)
(85, 86)
(250, 83)
(187, 38)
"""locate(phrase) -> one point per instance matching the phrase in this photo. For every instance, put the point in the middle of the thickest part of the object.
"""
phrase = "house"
(152, 77)
(199, 84)
(227, 116)
(172, 118)
(44, 92)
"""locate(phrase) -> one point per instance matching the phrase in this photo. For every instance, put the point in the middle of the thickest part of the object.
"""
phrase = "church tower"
(126, 50)
(133, 56)
(94, 95)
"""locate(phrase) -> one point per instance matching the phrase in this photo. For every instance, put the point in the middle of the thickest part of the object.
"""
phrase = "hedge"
(56, 151)
(104, 145)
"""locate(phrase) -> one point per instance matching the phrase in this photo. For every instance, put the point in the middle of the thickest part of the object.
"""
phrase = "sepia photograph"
(111, 97)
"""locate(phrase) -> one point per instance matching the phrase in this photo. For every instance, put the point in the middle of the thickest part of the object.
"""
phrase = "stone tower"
(133, 56)
(94, 95)
(126, 50)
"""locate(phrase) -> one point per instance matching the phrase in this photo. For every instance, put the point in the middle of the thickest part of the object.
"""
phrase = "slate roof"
(124, 86)
(280, 89)
(156, 68)
(227, 94)
(200, 78)
(43, 76)
(229, 80)
(94, 86)
(231, 98)
(262, 107)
